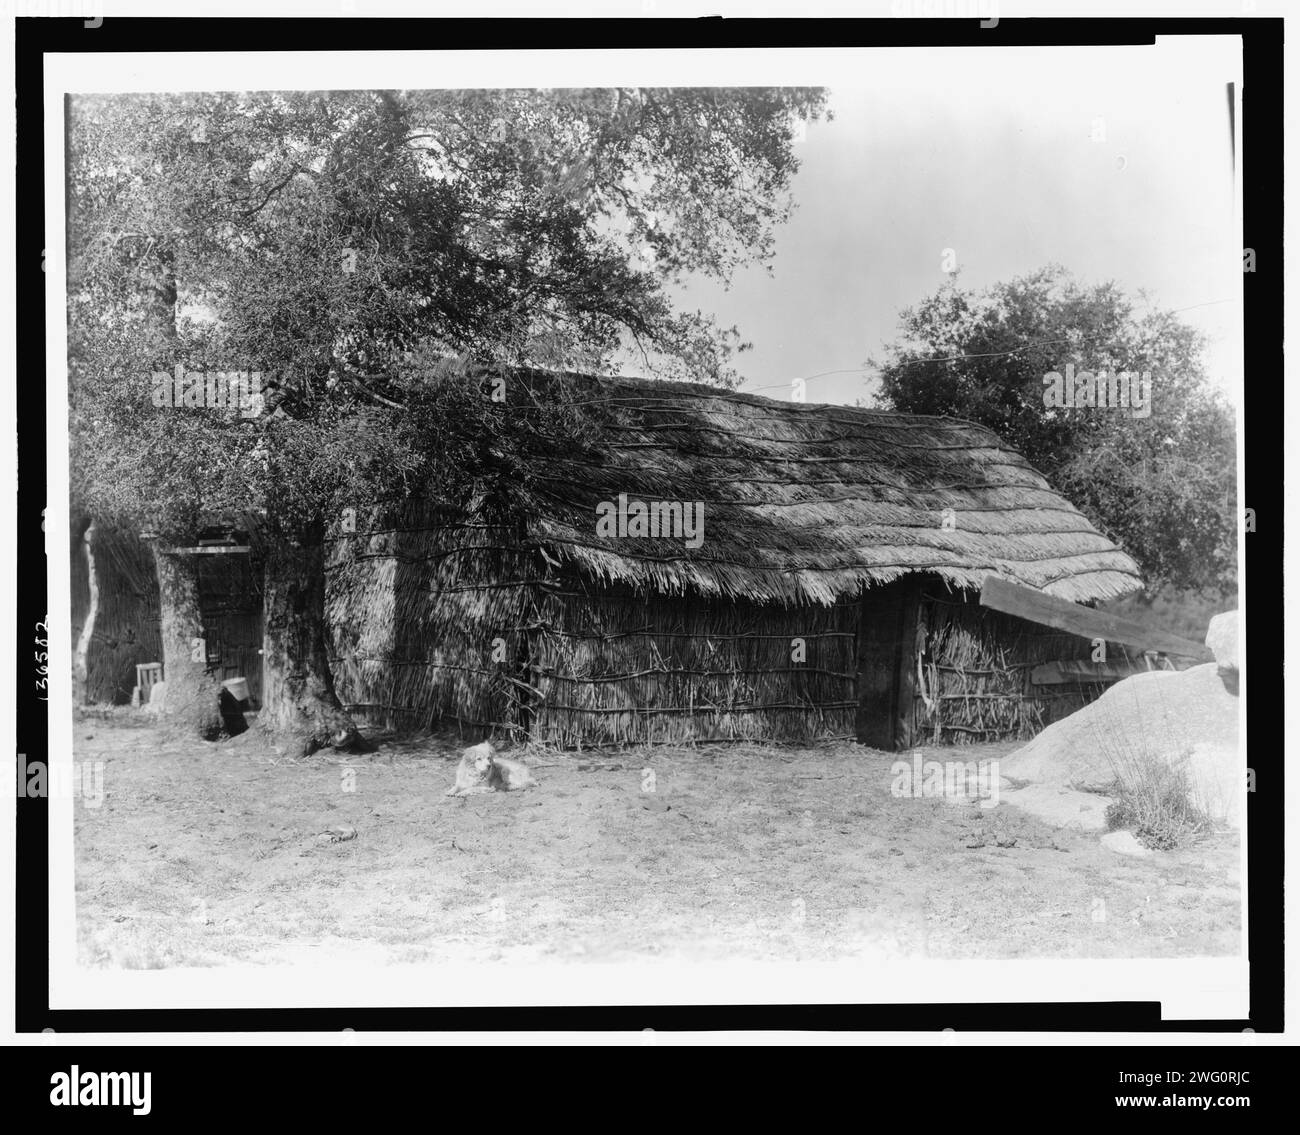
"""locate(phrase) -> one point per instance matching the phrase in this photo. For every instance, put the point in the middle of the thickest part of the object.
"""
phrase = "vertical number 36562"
(41, 658)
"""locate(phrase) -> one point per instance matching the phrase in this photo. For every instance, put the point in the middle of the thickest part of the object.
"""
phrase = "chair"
(146, 675)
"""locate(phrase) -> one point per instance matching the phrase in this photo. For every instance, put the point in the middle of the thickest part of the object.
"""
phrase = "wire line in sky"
(864, 368)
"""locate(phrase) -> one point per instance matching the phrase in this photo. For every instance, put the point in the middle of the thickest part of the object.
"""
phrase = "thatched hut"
(727, 567)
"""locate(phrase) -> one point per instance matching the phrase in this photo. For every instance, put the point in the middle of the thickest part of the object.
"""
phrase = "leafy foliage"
(370, 253)
(1162, 487)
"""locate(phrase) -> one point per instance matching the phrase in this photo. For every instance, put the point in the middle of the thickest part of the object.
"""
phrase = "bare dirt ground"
(215, 854)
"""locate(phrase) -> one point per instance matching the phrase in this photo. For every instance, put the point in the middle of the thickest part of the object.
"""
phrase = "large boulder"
(1186, 719)
(1217, 775)
(1221, 638)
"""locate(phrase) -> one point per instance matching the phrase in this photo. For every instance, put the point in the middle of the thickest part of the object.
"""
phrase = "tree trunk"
(193, 698)
(298, 698)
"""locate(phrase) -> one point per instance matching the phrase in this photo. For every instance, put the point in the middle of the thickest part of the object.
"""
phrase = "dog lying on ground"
(474, 772)
(482, 770)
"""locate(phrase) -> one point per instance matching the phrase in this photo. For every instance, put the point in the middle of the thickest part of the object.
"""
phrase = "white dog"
(481, 770)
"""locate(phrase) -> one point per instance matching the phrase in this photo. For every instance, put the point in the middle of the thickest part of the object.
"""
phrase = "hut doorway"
(230, 598)
(886, 664)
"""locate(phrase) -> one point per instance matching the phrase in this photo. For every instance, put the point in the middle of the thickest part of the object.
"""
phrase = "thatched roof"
(808, 502)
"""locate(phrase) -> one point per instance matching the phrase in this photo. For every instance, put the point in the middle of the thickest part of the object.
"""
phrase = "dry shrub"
(1153, 794)
(1153, 798)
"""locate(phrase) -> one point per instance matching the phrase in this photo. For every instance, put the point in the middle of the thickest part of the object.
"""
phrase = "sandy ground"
(210, 854)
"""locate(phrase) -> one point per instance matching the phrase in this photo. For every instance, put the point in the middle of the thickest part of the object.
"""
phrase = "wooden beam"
(1079, 671)
(905, 732)
(1062, 615)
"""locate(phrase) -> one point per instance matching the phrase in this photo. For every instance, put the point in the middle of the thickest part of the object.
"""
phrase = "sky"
(1114, 162)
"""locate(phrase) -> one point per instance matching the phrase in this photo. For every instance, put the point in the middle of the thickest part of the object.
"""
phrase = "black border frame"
(1262, 181)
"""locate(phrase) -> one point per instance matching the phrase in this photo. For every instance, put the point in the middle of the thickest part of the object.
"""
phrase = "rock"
(1186, 718)
(337, 835)
(1125, 843)
(1222, 639)
(1217, 775)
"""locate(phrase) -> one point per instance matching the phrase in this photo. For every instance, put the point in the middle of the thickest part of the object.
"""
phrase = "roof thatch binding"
(808, 502)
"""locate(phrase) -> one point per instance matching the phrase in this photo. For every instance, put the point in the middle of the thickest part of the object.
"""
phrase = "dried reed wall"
(974, 675)
(616, 667)
(438, 620)
(424, 611)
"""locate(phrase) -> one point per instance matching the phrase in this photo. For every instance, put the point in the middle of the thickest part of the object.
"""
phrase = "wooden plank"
(1073, 671)
(1062, 615)
(905, 731)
